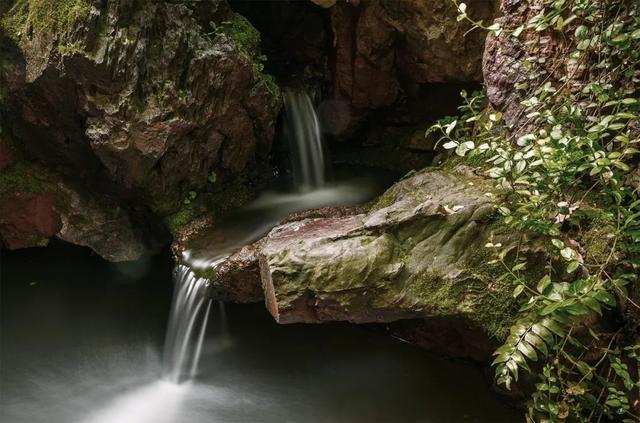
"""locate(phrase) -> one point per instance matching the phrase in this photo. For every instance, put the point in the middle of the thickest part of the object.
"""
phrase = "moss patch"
(43, 15)
(235, 194)
(247, 40)
(25, 177)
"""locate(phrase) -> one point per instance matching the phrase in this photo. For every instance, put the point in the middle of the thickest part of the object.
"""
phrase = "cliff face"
(383, 48)
(138, 102)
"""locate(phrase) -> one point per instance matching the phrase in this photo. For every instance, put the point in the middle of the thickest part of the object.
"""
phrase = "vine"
(567, 164)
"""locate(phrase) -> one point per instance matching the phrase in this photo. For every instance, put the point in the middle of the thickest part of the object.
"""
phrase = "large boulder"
(418, 253)
(37, 204)
(387, 46)
(144, 97)
(27, 220)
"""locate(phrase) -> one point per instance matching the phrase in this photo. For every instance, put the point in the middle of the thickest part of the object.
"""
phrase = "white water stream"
(305, 140)
(191, 305)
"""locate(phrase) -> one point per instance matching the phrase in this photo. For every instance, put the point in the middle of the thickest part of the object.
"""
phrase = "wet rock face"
(98, 222)
(27, 220)
(146, 98)
(383, 47)
(237, 278)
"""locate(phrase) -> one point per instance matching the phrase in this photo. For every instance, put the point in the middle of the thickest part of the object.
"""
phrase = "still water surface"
(81, 342)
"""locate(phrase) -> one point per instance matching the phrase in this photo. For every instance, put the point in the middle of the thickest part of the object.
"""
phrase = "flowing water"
(305, 140)
(187, 325)
(81, 341)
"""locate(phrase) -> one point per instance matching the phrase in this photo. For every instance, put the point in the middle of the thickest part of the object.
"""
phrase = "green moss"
(70, 48)
(25, 177)
(598, 240)
(472, 160)
(234, 194)
(208, 273)
(43, 15)
(243, 34)
(247, 40)
(385, 200)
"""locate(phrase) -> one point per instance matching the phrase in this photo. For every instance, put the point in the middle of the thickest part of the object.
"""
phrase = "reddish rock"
(27, 220)
(509, 61)
(238, 277)
(149, 101)
(382, 45)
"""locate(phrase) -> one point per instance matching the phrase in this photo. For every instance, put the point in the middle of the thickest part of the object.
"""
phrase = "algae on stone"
(43, 15)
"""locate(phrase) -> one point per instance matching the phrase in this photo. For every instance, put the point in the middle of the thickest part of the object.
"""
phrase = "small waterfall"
(187, 325)
(307, 151)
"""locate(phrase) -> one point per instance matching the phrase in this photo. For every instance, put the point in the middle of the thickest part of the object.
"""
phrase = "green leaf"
(577, 309)
(518, 266)
(573, 266)
(606, 298)
(527, 350)
(553, 326)
(517, 291)
(543, 333)
(567, 253)
(593, 304)
(537, 342)
(544, 282)
(550, 308)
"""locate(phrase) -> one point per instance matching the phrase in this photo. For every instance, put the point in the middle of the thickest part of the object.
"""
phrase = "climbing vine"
(566, 163)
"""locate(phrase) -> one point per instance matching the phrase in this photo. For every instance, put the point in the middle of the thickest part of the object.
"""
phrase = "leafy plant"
(564, 170)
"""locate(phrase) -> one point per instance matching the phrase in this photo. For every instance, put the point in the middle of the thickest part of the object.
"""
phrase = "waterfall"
(187, 325)
(191, 301)
(307, 152)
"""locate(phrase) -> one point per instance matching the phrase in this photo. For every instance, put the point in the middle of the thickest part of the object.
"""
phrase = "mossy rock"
(419, 253)
(43, 15)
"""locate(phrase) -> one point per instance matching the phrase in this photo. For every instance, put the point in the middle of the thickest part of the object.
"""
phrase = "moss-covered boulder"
(419, 253)
(148, 98)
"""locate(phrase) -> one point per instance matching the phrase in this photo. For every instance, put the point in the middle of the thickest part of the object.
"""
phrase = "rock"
(37, 204)
(6, 157)
(144, 97)
(27, 220)
(511, 61)
(420, 142)
(98, 223)
(382, 45)
(449, 336)
(419, 253)
(237, 279)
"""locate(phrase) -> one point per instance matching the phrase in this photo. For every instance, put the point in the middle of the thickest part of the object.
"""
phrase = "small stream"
(86, 341)
(81, 342)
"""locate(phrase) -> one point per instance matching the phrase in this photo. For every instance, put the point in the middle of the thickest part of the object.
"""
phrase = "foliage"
(43, 15)
(247, 40)
(563, 166)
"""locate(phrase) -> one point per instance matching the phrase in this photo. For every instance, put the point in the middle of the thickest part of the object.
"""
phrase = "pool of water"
(81, 341)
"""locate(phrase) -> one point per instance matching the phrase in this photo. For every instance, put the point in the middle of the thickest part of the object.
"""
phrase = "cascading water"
(191, 305)
(187, 325)
(307, 150)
